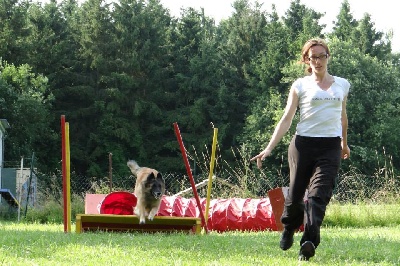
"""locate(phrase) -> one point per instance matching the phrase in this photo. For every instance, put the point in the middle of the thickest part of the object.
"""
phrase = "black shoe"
(307, 250)
(286, 239)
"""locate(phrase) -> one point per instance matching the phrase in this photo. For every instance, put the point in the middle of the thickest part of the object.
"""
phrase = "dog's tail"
(133, 166)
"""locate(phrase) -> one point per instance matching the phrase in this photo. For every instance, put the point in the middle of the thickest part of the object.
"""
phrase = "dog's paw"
(142, 220)
(151, 217)
(152, 213)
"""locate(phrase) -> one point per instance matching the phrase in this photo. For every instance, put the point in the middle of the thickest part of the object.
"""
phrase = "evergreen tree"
(13, 30)
(370, 41)
(197, 75)
(302, 24)
(241, 38)
(344, 26)
(139, 68)
(84, 102)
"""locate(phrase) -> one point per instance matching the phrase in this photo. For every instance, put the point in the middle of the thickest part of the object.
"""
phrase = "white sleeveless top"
(320, 111)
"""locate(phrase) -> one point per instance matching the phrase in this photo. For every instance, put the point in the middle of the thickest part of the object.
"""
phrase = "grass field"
(36, 244)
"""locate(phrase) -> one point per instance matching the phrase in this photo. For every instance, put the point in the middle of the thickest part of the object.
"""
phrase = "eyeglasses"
(315, 58)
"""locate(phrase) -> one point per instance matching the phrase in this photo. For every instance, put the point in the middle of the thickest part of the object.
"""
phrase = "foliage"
(123, 72)
(362, 34)
(25, 104)
(13, 31)
(51, 211)
(372, 81)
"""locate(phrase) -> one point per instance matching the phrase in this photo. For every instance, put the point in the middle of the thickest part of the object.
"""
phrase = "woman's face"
(318, 59)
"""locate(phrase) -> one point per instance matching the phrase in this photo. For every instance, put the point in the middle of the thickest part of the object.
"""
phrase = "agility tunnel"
(224, 214)
(234, 214)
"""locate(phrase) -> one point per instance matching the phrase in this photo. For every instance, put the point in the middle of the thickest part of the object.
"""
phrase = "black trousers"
(314, 164)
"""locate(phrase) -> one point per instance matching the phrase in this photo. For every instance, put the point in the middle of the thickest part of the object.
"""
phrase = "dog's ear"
(159, 176)
(151, 177)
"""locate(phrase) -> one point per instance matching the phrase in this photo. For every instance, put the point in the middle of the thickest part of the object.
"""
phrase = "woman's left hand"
(345, 152)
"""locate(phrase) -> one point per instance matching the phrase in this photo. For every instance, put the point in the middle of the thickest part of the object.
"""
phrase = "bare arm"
(345, 123)
(281, 128)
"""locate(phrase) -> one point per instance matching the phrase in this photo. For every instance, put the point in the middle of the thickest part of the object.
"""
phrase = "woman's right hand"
(260, 157)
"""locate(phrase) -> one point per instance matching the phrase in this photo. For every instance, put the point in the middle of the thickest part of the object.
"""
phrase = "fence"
(351, 187)
(241, 180)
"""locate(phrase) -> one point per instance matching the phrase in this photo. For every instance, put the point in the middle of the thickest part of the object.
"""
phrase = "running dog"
(149, 188)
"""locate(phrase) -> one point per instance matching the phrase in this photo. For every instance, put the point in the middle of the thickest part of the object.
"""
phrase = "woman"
(315, 150)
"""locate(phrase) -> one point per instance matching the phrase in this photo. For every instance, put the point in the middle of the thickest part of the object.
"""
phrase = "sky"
(383, 14)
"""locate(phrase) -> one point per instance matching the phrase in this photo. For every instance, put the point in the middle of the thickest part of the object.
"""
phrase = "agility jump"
(110, 222)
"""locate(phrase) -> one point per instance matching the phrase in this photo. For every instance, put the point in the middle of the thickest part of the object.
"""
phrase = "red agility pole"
(64, 171)
(185, 159)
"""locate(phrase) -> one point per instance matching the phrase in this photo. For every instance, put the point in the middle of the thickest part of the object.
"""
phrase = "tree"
(123, 72)
(25, 105)
(374, 95)
(361, 33)
(13, 30)
(241, 38)
(302, 24)
(370, 41)
(194, 92)
(344, 26)
(51, 38)
(136, 84)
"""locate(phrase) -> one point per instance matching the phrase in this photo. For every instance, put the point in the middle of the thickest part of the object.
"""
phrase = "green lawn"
(34, 244)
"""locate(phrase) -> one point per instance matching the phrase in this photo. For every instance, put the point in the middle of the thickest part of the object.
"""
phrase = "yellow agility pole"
(64, 172)
(210, 177)
(68, 177)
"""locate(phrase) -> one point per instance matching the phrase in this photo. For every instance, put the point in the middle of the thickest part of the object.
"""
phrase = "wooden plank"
(111, 222)
(78, 226)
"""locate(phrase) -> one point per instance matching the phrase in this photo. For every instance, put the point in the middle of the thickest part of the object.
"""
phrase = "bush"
(8, 213)
(52, 212)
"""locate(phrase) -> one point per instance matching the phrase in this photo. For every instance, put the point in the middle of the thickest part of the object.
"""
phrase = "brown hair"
(306, 47)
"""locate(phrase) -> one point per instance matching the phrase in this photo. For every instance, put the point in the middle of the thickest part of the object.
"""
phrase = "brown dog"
(149, 188)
